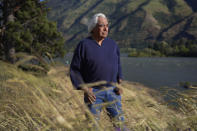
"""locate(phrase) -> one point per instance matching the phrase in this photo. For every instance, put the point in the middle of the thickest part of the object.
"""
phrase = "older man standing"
(97, 58)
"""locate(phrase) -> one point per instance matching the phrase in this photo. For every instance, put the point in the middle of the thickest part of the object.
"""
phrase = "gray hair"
(94, 20)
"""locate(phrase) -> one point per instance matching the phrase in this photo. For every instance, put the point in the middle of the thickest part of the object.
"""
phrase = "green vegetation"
(132, 5)
(162, 49)
(25, 28)
(187, 49)
(30, 102)
(188, 85)
(146, 52)
(156, 5)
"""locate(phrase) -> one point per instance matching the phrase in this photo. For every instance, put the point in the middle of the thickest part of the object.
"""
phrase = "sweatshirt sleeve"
(119, 65)
(75, 67)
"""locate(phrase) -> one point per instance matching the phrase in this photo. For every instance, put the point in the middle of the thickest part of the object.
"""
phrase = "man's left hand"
(119, 81)
(118, 91)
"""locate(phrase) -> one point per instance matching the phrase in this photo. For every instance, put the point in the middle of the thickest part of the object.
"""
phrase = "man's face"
(101, 29)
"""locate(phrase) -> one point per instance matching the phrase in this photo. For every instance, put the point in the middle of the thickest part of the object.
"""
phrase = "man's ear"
(93, 30)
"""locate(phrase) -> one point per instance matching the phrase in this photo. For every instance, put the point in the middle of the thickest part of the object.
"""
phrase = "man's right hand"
(90, 95)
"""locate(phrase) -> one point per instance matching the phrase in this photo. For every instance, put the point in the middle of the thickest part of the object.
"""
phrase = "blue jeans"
(106, 97)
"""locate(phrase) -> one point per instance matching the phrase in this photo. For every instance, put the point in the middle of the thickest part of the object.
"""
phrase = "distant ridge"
(132, 23)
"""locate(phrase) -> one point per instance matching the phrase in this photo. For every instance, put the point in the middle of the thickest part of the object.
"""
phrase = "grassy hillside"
(132, 23)
(49, 102)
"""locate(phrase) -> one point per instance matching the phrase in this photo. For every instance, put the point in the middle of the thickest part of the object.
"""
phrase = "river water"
(157, 72)
(160, 72)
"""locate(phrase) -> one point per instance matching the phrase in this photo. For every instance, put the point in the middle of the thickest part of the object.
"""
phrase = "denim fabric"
(106, 97)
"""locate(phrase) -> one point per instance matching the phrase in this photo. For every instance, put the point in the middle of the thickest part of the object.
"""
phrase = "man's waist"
(98, 84)
(102, 86)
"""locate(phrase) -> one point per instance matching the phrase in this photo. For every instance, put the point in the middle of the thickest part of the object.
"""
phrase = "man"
(97, 58)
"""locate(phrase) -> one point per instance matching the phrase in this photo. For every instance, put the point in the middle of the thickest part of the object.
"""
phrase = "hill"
(49, 102)
(132, 23)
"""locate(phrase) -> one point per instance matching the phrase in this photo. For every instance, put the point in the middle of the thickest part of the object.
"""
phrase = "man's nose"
(106, 28)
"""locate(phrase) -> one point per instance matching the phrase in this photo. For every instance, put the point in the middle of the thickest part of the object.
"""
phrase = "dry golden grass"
(49, 102)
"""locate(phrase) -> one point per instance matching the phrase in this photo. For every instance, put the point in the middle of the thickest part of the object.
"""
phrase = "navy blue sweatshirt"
(92, 62)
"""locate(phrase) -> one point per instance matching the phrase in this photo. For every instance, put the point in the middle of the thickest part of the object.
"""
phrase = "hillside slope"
(49, 102)
(132, 23)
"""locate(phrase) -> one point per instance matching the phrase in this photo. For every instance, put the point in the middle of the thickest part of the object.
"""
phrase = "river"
(160, 72)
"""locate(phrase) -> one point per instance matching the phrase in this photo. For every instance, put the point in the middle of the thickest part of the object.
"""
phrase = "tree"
(193, 49)
(7, 16)
(184, 51)
(25, 28)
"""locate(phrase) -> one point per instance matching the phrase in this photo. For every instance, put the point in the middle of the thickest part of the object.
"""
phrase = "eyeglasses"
(103, 25)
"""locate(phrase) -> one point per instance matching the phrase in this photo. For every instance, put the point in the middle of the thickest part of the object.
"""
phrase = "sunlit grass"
(49, 102)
